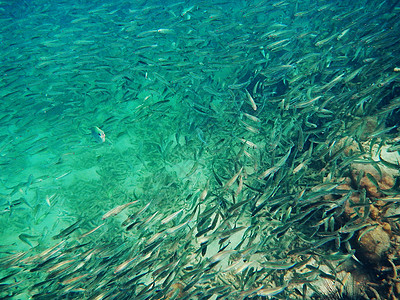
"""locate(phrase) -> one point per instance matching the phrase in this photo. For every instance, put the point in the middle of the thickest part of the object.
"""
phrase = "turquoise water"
(245, 133)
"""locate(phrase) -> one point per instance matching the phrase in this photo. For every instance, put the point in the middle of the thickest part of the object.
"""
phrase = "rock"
(373, 245)
(373, 212)
(349, 211)
(348, 145)
(365, 126)
(387, 228)
(386, 181)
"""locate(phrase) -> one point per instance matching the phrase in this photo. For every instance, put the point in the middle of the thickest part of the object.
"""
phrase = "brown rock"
(387, 182)
(397, 287)
(344, 187)
(348, 209)
(348, 145)
(176, 289)
(371, 189)
(373, 212)
(373, 245)
(387, 228)
(384, 180)
(379, 203)
(367, 124)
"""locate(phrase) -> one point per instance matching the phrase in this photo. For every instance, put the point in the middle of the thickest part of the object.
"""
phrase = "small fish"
(25, 238)
(187, 10)
(278, 44)
(124, 265)
(63, 175)
(90, 232)
(98, 134)
(116, 210)
(249, 127)
(28, 184)
(268, 172)
(221, 255)
(240, 186)
(59, 265)
(165, 30)
(251, 117)
(251, 100)
(248, 143)
(66, 232)
(49, 198)
(326, 40)
(233, 179)
(170, 217)
(74, 279)
(278, 265)
(270, 291)
(204, 193)
(308, 102)
(300, 167)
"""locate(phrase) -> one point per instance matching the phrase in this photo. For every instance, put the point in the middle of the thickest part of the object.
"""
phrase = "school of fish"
(199, 150)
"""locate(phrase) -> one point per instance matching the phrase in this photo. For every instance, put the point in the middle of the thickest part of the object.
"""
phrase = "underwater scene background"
(199, 149)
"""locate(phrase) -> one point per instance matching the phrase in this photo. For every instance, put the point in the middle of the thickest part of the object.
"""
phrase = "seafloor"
(199, 150)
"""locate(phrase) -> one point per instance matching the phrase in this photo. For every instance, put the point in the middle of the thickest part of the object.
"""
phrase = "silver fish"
(98, 134)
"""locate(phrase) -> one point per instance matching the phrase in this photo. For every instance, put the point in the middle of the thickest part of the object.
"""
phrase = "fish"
(124, 265)
(220, 256)
(270, 291)
(63, 175)
(326, 40)
(204, 193)
(116, 210)
(307, 103)
(249, 127)
(331, 84)
(233, 179)
(170, 217)
(90, 232)
(59, 265)
(249, 143)
(165, 70)
(187, 10)
(251, 117)
(67, 231)
(132, 217)
(98, 134)
(268, 172)
(26, 238)
(278, 44)
(165, 30)
(74, 279)
(251, 100)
